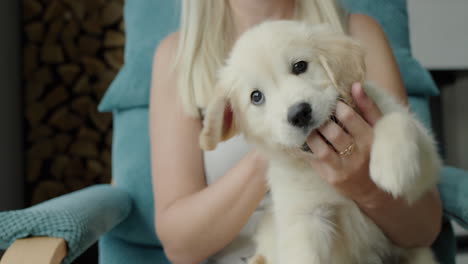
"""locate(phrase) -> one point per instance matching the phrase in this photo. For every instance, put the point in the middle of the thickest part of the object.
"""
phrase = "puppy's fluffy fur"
(310, 222)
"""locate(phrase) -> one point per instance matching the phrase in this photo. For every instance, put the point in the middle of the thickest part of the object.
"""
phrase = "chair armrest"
(80, 218)
(40, 250)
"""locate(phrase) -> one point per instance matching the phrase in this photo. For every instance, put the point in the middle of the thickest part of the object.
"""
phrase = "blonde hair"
(206, 35)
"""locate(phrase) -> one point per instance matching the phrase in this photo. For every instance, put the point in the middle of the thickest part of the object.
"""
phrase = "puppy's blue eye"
(299, 67)
(257, 97)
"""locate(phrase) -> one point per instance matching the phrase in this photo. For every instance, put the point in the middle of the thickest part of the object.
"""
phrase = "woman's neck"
(247, 13)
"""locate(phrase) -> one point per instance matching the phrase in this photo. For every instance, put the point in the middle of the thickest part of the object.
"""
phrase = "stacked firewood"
(72, 50)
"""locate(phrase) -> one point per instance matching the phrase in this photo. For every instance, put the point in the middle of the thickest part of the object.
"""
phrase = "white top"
(217, 163)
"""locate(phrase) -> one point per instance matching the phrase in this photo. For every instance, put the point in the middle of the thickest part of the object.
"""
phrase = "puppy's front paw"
(404, 160)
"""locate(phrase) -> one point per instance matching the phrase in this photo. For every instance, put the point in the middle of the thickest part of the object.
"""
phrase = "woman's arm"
(407, 226)
(193, 220)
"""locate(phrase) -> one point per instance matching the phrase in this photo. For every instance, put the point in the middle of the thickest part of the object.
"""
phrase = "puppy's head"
(281, 81)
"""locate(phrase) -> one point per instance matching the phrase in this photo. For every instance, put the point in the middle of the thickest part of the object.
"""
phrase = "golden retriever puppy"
(281, 81)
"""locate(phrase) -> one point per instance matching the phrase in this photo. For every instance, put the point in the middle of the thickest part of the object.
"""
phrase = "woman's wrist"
(373, 198)
(415, 225)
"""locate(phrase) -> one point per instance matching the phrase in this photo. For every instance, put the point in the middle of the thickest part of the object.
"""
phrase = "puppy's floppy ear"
(218, 123)
(345, 58)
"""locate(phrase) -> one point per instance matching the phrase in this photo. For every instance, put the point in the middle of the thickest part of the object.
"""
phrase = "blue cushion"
(419, 105)
(147, 22)
(453, 187)
(131, 171)
(113, 250)
(80, 218)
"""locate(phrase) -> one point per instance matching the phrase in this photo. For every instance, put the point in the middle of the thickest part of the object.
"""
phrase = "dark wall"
(11, 160)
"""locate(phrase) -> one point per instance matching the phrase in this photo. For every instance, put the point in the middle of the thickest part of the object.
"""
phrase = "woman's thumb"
(369, 110)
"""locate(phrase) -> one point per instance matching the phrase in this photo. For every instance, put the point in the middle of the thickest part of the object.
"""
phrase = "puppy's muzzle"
(300, 115)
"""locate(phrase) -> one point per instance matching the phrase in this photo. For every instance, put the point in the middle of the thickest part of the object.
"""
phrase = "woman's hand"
(415, 225)
(342, 150)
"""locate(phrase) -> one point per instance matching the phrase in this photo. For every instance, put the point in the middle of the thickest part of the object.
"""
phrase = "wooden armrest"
(37, 250)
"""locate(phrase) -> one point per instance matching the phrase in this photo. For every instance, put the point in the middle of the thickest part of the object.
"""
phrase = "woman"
(207, 203)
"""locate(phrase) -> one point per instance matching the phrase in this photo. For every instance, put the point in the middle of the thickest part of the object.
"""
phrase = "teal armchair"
(121, 216)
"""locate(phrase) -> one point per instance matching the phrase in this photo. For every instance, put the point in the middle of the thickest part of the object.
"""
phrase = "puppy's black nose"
(300, 114)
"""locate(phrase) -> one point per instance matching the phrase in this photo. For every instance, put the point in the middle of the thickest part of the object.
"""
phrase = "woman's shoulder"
(167, 48)
(382, 68)
(362, 26)
(163, 76)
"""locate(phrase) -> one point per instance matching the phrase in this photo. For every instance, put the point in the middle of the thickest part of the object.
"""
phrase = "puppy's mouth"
(315, 124)
(305, 147)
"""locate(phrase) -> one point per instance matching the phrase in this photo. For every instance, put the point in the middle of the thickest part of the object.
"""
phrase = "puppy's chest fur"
(301, 197)
(297, 183)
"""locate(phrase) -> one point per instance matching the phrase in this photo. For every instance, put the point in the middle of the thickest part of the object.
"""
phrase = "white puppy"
(282, 81)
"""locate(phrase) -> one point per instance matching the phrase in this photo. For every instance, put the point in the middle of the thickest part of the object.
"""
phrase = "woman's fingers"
(336, 135)
(322, 152)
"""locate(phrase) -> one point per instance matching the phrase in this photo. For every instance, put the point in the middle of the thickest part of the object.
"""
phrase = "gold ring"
(348, 150)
